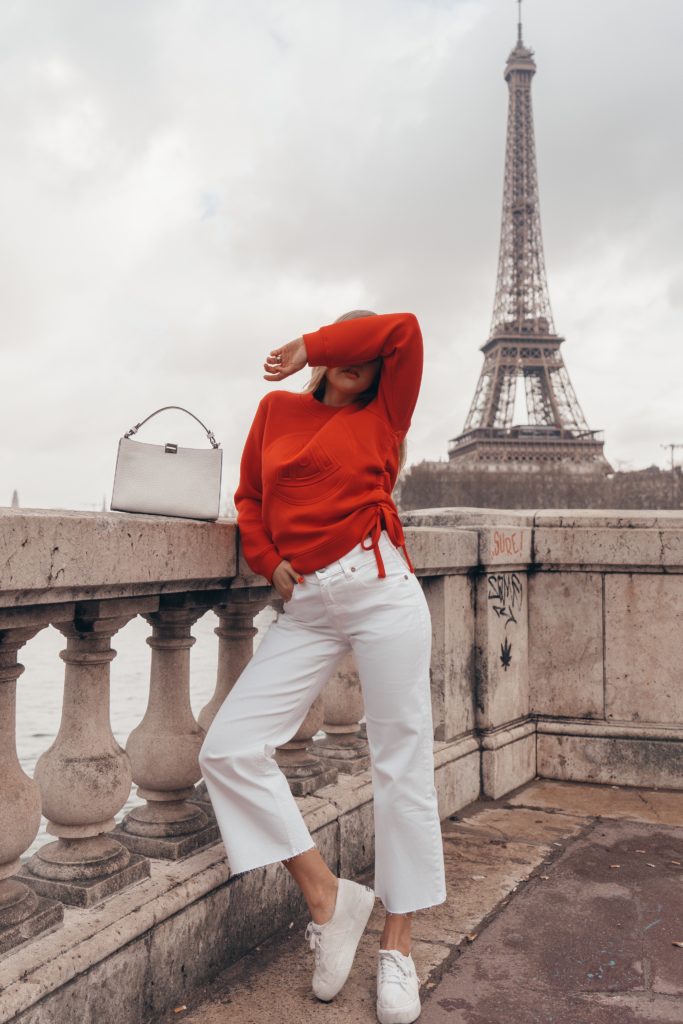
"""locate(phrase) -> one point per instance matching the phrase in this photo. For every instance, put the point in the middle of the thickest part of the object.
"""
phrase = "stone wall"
(594, 645)
(557, 647)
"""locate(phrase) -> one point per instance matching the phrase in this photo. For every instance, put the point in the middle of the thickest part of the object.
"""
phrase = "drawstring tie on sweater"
(394, 529)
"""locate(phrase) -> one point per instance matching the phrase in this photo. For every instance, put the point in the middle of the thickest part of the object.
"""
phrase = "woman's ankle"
(396, 933)
(402, 947)
(322, 902)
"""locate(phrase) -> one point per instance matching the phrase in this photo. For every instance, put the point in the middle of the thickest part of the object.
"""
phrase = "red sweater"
(315, 479)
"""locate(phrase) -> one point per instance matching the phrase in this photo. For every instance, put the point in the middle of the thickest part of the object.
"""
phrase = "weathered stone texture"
(588, 546)
(508, 759)
(457, 774)
(506, 544)
(451, 605)
(644, 647)
(565, 644)
(557, 650)
(602, 801)
(441, 550)
(625, 761)
(50, 555)
(501, 657)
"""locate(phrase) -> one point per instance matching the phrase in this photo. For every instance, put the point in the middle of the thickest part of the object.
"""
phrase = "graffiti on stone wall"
(505, 591)
(505, 597)
(504, 543)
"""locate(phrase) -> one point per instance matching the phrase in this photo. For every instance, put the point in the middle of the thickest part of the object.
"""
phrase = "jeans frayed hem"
(424, 906)
(305, 850)
(279, 860)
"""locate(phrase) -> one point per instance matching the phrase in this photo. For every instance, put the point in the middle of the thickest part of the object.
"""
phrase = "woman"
(317, 520)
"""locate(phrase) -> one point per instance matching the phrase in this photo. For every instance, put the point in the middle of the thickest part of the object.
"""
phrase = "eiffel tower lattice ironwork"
(523, 344)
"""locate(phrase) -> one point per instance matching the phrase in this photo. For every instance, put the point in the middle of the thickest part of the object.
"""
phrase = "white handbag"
(167, 479)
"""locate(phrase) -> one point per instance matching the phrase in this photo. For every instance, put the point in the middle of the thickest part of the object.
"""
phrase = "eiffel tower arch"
(523, 347)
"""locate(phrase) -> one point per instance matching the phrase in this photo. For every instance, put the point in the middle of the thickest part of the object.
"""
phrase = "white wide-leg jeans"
(386, 623)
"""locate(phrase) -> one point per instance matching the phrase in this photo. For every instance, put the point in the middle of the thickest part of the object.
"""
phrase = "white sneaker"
(398, 989)
(335, 942)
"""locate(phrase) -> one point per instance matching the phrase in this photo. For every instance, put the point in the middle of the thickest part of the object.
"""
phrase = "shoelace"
(392, 969)
(312, 935)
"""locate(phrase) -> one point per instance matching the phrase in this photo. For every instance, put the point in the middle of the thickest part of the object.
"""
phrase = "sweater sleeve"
(397, 338)
(261, 554)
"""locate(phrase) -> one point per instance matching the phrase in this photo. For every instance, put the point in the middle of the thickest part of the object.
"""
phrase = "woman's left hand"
(286, 360)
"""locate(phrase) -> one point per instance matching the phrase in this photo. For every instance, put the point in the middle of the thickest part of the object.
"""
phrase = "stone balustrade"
(556, 651)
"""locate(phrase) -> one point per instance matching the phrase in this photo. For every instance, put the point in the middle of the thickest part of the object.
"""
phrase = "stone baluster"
(305, 771)
(163, 748)
(235, 632)
(343, 747)
(85, 775)
(23, 912)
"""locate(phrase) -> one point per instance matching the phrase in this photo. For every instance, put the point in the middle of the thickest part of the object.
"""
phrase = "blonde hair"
(318, 375)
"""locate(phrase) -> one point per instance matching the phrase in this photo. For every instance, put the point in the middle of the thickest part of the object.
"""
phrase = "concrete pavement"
(565, 904)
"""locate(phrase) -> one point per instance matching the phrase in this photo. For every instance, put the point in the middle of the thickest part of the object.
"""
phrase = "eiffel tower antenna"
(522, 341)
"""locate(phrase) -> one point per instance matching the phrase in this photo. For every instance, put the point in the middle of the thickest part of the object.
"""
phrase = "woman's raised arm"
(397, 338)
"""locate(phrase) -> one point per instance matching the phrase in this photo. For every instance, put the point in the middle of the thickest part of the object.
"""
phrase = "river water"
(40, 688)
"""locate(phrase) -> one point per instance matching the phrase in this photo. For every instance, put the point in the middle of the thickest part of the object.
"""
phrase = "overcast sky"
(186, 184)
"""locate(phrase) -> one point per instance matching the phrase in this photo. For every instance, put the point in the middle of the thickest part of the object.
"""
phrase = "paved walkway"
(565, 906)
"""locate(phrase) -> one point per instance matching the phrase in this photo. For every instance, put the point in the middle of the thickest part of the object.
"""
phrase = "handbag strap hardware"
(169, 445)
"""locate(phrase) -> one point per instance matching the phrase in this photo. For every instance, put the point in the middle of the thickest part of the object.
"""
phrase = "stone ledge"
(447, 751)
(505, 546)
(464, 515)
(508, 758)
(620, 540)
(468, 516)
(68, 555)
(442, 551)
(502, 735)
(600, 728)
(652, 763)
(612, 547)
(636, 518)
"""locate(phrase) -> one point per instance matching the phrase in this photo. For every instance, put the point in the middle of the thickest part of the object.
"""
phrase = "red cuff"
(268, 563)
(316, 353)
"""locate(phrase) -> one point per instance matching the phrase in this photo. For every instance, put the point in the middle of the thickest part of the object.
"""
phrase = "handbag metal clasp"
(171, 448)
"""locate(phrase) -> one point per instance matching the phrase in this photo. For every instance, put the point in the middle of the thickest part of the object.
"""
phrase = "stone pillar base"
(508, 758)
(86, 892)
(24, 914)
(304, 778)
(169, 847)
(201, 797)
(168, 829)
(350, 756)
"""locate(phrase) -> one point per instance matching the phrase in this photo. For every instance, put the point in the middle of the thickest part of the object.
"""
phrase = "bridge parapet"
(556, 651)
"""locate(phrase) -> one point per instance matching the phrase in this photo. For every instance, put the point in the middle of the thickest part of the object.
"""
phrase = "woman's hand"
(285, 578)
(286, 360)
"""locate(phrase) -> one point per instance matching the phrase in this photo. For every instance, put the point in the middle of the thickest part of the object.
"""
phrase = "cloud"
(186, 186)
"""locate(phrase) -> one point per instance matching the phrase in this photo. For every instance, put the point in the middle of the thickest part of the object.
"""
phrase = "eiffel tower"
(522, 341)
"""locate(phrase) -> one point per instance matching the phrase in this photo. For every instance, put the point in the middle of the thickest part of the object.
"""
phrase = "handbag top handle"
(209, 433)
